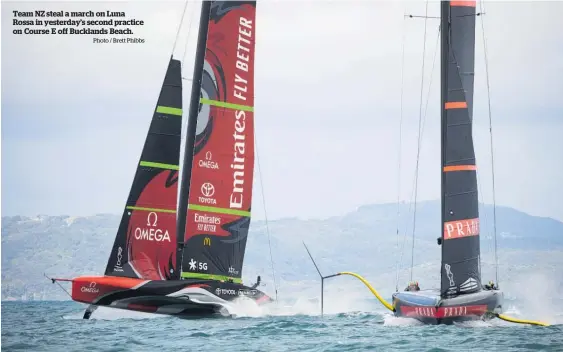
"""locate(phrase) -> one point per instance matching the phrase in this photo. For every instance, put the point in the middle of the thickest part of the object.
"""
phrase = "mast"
(460, 272)
(190, 137)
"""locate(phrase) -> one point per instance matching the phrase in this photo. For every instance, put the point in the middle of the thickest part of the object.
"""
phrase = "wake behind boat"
(184, 255)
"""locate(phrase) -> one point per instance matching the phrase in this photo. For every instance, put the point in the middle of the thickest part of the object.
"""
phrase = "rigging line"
(265, 214)
(399, 154)
(423, 125)
(491, 139)
(406, 230)
(484, 215)
(180, 26)
(188, 36)
(56, 281)
(485, 221)
(62, 288)
(436, 46)
(416, 16)
(419, 139)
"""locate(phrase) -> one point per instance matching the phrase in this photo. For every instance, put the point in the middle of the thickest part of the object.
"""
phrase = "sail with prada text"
(460, 213)
(220, 191)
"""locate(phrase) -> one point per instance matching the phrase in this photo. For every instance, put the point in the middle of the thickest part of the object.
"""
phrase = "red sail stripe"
(456, 105)
(461, 228)
(460, 168)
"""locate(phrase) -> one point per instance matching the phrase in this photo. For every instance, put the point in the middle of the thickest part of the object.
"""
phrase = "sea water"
(289, 326)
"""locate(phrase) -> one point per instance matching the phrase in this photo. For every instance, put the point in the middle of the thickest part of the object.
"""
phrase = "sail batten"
(456, 104)
(169, 110)
(219, 210)
(460, 209)
(159, 165)
(223, 104)
(453, 168)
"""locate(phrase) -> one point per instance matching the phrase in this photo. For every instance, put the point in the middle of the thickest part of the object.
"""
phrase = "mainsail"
(145, 245)
(221, 158)
(460, 214)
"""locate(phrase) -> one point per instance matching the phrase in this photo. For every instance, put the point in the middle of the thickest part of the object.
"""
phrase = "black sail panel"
(460, 215)
(145, 244)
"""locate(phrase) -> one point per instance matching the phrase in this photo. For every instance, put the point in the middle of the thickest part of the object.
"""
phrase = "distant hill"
(364, 240)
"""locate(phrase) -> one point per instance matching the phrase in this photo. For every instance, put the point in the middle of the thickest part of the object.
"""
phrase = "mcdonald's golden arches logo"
(207, 241)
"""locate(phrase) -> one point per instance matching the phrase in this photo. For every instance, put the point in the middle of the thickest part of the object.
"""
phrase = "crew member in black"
(490, 286)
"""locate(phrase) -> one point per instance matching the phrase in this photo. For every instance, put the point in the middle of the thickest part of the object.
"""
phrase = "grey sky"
(328, 79)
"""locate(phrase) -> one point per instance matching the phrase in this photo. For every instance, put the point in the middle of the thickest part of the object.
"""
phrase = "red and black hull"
(429, 308)
(191, 297)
